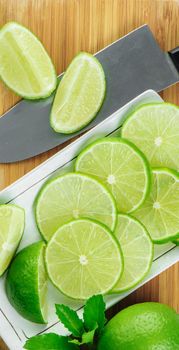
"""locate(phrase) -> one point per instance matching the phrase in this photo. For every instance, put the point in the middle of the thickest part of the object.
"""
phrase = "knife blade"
(132, 65)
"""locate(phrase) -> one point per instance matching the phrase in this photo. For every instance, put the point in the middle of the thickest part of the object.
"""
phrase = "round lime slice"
(80, 94)
(12, 221)
(25, 66)
(83, 258)
(137, 248)
(160, 212)
(72, 196)
(154, 128)
(121, 167)
(26, 283)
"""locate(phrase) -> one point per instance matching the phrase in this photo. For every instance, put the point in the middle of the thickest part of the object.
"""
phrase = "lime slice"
(121, 167)
(26, 283)
(83, 258)
(80, 94)
(154, 128)
(12, 221)
(137, 249)
(25, 66)
(160, 212)
(69, 197)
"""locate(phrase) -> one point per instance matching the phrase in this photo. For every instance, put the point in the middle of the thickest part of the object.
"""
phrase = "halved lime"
(80, 94)
(26, 283)
(25, 66)
(83, 258)
(154, 128)
(72, 196)
(137, 248)
(12, 221)
(121, 167)
(160, 212)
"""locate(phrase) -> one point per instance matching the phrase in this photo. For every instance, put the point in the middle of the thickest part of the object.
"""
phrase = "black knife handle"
(174, 54)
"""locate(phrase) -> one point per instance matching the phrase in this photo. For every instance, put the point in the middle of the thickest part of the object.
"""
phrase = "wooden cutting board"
(68, 26)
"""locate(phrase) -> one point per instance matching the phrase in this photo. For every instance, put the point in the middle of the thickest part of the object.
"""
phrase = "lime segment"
(25, 66)
(137, 249)
(83, 258)
(12, 221)
(154, 128)
(160, 212)
(121, 167)
(69, 197)
(26, 283)
(80, 94)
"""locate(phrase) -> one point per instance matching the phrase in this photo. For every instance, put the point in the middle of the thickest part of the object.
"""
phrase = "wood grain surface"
(67, 26)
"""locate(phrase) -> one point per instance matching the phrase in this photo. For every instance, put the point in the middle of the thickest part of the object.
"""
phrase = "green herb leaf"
(70, 320)
(87, 338)
(94, 313)
(49, 341)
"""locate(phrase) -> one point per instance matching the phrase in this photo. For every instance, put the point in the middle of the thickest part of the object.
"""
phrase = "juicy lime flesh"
(83, 259)
(26, 283)
(154, 128)
(72, 196)
(160, 212)
(79, 95)
(149, 326)
(137, 249)
(119, 166)
(24, 64)
(12, 222)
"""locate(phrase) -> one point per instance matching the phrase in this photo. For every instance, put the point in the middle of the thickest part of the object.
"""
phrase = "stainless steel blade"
(132, 65)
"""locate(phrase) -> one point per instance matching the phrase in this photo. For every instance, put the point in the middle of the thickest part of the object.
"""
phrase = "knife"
(132, 65)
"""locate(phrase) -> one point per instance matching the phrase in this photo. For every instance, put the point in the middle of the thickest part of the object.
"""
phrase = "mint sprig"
(84, 331)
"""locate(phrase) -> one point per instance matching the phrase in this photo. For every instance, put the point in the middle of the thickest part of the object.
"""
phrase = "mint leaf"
(70, 320)
(94, 313)
(87, 338)
(49, 341)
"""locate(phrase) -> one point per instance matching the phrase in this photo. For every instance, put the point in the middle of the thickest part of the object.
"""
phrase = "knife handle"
(174, 55)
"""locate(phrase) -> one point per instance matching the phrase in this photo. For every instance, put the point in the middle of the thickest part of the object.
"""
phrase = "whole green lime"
(147, 326)
(26, 283)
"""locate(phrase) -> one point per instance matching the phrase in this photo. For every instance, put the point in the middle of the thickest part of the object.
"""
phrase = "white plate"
(13, 328)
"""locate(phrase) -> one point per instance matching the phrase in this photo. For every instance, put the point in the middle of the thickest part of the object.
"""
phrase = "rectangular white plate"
(13, 328)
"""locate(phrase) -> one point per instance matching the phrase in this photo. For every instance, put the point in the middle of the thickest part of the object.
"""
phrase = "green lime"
(160, 212)
(176, 241)
(147, 326)
(25, 66)
(12, 221)
(26, 283)
(72, 196)
(154, 128)
(83, 258)
(121, 167)
(137, 249)
(80, 94)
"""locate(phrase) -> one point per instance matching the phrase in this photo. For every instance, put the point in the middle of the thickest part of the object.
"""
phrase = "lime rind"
(75, 128)
(167, 237)
(119, 263)
(29, 96)
(10, 241)
(147, 168)
(103, 189)
(121, 289)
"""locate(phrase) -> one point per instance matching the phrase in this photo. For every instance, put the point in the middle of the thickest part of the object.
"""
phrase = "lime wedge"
(154, 128)
(80, 94)
(83, 258)
(12, 221)
(25, 66)
(26, 283)
(121, 167)
(160, 212)
(69, 197)
(137, 249)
